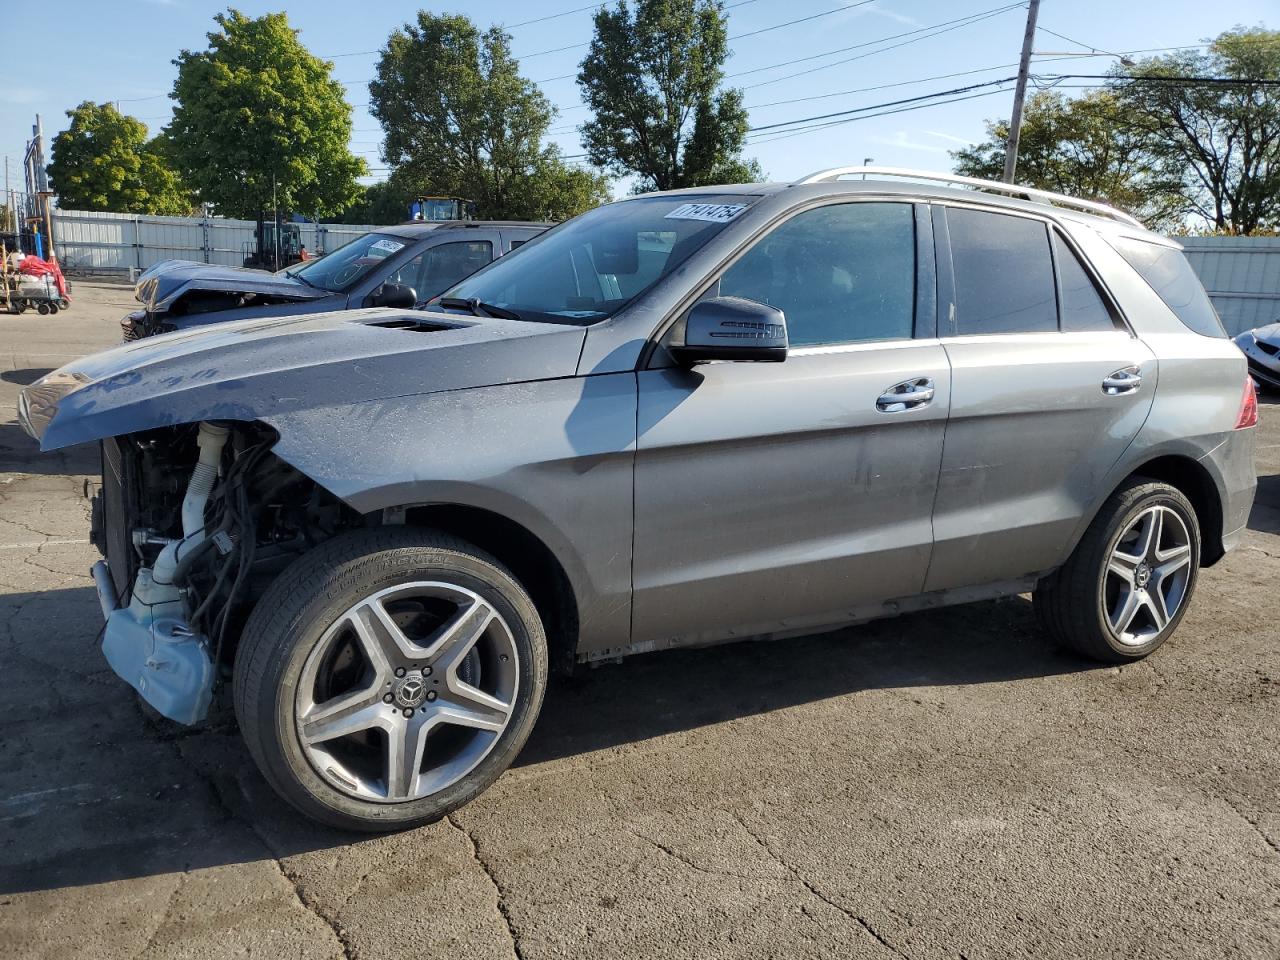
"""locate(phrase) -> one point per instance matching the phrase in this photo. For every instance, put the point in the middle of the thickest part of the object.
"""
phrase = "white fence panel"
(88, 242)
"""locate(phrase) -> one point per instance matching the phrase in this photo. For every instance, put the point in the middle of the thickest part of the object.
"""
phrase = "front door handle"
(907, 395)
(1125, 380)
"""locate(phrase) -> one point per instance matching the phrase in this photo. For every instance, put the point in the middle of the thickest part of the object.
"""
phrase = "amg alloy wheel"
(1147, 575)
(424, 665)
(388, 677)
(1127, 584)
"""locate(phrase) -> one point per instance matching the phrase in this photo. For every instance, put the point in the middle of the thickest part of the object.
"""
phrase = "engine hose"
(210, 439)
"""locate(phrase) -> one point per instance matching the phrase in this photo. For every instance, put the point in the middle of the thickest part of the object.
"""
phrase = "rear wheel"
(388, 677)
(1126, 586)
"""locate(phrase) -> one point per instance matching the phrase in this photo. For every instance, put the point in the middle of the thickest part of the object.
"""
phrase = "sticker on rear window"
(387, 246)
(714, 212)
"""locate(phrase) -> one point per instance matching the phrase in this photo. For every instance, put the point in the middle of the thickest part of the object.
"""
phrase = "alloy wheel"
(1147, 575)
(407, 691)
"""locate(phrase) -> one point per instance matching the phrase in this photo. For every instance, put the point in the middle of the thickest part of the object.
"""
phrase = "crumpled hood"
(250, 369)
(161, 285)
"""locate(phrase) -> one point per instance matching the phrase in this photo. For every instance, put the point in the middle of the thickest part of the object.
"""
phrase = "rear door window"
(1003, 274)
(1169, 274)
(1083, 308)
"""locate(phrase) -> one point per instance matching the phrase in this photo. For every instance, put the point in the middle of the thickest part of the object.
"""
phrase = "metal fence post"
(137, 243)
(204, 235)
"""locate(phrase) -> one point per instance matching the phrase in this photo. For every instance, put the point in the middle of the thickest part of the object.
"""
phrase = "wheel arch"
(1187, 470)
(1190, 476)
(529, 558)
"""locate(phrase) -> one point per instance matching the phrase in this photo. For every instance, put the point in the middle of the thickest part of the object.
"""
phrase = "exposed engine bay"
(194, 522)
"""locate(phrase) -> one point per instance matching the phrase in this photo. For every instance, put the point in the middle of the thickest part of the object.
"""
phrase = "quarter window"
(1082, 307)
(1169, 274)
(1003, 274)
(840, 273)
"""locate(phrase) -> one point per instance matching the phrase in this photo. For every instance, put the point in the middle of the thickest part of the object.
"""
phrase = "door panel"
(772, 497)
(1031, 435)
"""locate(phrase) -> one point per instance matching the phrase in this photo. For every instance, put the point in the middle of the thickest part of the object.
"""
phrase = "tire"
(326, 614)
(43, 309)
(1107, 604)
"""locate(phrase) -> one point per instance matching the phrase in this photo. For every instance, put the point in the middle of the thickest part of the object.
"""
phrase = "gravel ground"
(943, 785)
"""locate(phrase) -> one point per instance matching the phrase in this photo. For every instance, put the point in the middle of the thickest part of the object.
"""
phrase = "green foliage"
(104, 162)
(381, 203)
(461, 121)
(1081, 147)
(651, 79)
(257, 113)
(1182, 156)
(1219, 142)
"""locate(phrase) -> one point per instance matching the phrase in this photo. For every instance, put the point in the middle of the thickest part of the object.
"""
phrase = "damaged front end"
(193, 523)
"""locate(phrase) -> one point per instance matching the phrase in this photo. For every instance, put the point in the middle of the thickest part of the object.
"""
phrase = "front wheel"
(388, 677)
(1126, 586)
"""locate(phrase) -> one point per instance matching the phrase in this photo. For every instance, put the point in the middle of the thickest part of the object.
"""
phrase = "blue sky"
(122, 50)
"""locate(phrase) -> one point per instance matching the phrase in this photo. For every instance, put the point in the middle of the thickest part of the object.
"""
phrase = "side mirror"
(731, 328)
(398, 295)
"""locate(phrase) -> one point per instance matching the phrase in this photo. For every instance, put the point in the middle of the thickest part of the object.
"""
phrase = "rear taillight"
(1248, 406)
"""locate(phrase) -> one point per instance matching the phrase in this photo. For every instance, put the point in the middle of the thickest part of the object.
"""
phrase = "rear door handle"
(907, 395)
(1125, 380)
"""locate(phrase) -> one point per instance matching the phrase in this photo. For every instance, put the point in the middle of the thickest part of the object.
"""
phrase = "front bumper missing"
(152, 648)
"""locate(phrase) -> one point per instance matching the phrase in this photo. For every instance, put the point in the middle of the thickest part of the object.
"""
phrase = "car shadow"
(1265, 515)
(138, 796)
(20, 453)
(25, 376)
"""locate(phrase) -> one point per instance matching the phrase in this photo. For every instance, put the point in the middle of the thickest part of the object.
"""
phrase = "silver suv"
(682, 418)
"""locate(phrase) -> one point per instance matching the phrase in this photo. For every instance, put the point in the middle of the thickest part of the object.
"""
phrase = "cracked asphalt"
(943, 785)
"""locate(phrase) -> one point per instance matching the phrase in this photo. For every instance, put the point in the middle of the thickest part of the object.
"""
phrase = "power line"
(871, 43)
(877, 106)
(728, 6)
(779, 26)
(785, 134)
(871, 53)
(881, 86)
(1179, 81)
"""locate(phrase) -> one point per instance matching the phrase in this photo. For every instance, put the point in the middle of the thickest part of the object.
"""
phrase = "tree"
(380, 203)
(259, 117)
(1082, 147)
(460, 120)
(103, 161)
(1219, 141)
(652, 80)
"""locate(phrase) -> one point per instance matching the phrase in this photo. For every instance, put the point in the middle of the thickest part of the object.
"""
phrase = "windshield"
(349, 263)
(589, 268)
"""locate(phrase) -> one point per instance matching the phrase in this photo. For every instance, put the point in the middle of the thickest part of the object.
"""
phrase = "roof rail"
(991, 186)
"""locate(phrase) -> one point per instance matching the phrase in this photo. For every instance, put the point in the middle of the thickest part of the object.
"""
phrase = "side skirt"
(862, 613)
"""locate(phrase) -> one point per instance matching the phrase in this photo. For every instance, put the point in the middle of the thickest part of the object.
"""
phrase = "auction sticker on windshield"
(714, 212)
(386, 247)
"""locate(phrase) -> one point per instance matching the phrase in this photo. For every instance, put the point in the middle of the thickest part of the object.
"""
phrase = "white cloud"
(947, 136)
(893, 15)
(902, 140)
(18, 95)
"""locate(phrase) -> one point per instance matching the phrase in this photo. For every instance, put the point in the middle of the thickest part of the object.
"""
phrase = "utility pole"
(1020, 93)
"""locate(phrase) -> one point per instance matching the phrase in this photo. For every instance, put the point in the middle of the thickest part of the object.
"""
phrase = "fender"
(554, 456)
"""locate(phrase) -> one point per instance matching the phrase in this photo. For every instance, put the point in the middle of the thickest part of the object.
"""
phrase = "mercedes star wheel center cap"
(411, 691)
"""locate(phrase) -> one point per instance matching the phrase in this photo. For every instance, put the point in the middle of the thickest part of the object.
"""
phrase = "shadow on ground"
(20, 453)
(25, 376)
(163, 798)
